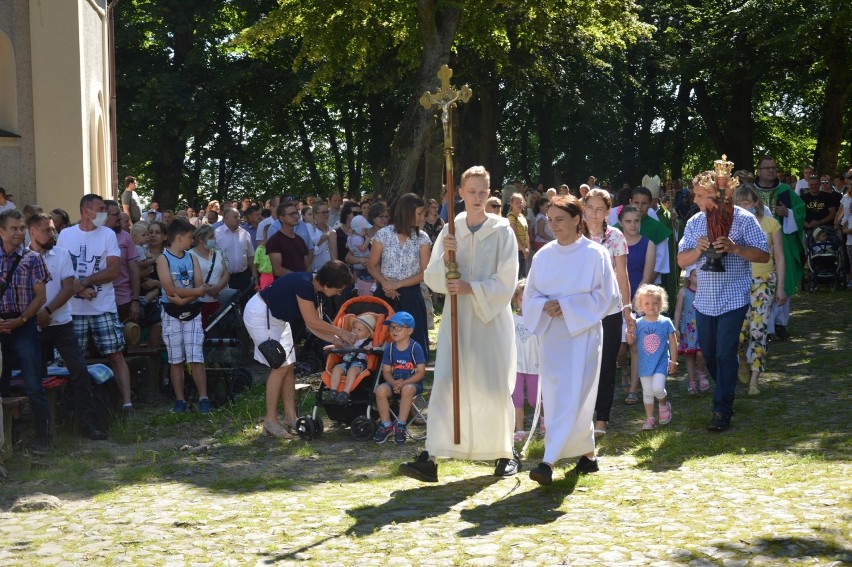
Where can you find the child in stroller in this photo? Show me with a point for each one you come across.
(823, 262)
(340, 409)
(355, 361)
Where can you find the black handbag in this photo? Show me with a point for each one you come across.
(272, 350)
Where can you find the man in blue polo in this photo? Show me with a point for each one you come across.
(722, 299)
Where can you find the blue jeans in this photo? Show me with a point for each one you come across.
(719, 337)
(24, 342)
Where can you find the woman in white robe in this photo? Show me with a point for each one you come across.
(571, 287)
(487, 257)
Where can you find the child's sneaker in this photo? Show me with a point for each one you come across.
(343, 398)
(665, 413)
(703, 383)
(400, 434)
(649, 424)
(204, 405)
(692, 389)
(520, 436)
(180, 406)
(383, 433)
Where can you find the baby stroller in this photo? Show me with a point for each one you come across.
(356, 412)
(824, 265)
(224, 356)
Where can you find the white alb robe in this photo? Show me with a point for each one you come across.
(488, 261)
(581, 278)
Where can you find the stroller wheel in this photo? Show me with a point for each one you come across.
(318, 426)
(305, 427)
(363, 428)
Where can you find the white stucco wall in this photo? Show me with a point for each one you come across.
(17, 155)
(69, 63)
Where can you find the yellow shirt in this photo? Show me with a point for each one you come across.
(772, 229)
(521, 228)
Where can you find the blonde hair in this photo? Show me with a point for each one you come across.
(138, 228)
(652, 290)
(519, 290)
(476, 171)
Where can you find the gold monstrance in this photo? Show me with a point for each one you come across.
(720, 218)
(446, 97)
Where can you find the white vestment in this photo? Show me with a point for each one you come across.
(581, 278)
(488, 261)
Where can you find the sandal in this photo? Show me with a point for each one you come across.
(703, 383)
(632, 399)
(692, 389)
(600, 429)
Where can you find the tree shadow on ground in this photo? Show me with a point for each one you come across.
(404, 506)
(799, 549)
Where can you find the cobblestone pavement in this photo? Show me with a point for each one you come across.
(773, 490)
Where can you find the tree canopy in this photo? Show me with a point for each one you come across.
(224, 98)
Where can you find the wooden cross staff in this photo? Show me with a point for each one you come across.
(446, 98)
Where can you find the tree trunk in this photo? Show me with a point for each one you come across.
(308, 154)
(679, 142)
(711, 119)
(489, 121)
(740, 136)
(543, 107)
(837, 89)
(438, 22)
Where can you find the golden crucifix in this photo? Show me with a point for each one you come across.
(446, 98)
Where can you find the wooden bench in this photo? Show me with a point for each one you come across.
(13, 407)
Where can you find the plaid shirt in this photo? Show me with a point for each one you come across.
(721, 292)
(30, 270)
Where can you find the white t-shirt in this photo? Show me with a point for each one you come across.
(89, 252)
(59, 266)
(215, 275)
(527, 347)
(263, 228)
(801, 185)
(7, 206)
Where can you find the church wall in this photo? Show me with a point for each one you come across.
(17, 155)
(68, 42)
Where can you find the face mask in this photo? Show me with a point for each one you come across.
(100, 219)
(752, 210)
(211, 243)
(117, 228)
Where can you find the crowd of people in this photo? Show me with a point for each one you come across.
(637, 297)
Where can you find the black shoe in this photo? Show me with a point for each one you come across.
(94, 433)
(508, 467)
(542, 474)
(719, 422)
(781, 333)
(420, 468)
(585, 466)
(42, 448)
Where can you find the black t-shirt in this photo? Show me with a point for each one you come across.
(281, 296)
(817, 206)
(293, 251)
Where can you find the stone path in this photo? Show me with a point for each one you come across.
(773, 490)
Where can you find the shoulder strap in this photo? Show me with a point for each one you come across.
(13, 267)
(212, 264)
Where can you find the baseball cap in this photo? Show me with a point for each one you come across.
(403, 318)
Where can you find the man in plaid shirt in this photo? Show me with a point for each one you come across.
(23, 277)
(722, 299)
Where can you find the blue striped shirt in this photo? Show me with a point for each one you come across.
(721, 292)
